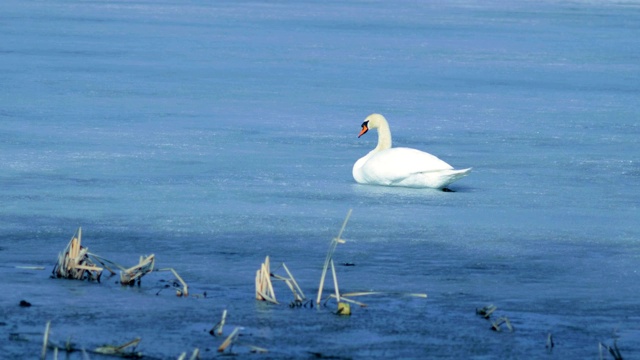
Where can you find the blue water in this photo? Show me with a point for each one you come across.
(215, 133)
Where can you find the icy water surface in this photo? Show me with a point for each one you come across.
(213, 134)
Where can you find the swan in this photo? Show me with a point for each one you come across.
(401, 166)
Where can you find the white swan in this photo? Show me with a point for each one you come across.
(389, 166)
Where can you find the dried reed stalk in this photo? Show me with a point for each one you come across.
(364, 293)
(230, 339)
(136, 272)
(256, 349)
(45, 341)
(300, 295)
(185, 287)
(195, 355)
(332, 249)
(264, 288)
(118, 349)
(217, 328)
(75, 263)
(291, 283)
(486, 311)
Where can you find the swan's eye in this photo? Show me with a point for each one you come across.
(365, 124)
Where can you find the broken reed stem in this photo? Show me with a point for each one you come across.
(217, 328)
(185, 288)
(75, 263)
(289, 283)
(346, 296)
(195, 355)
(264, 288)
(256, 349)
(295, 283)
(117, 350)
(144, 266)
(222, 321)
(267, 276)
(344, 224)
(614, 351)
(102, 262)
(229, 340)
(486, 311)
(133, 342)
(45, 341)
(364, 293)
(332, 248)
(30, 267)
(503, 320)
(549, 344)
(343, 298)
(335, 281)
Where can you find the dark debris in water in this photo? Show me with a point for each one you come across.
(319, 355)
(24, 303)
(300, 304)
(486, 311)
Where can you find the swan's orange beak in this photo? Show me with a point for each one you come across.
(364, 130)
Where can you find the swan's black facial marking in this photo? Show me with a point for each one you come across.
(365, 128)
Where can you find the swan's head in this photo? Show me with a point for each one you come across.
(372, 121)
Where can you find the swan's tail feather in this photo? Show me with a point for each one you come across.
(432, 179)
(450, 176)
(447, 177)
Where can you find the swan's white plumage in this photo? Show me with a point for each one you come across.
(401, 166)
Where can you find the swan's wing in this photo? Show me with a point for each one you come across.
(396, 164)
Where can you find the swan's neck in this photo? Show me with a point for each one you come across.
(384, 137)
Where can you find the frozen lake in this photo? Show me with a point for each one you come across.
(213, 134)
